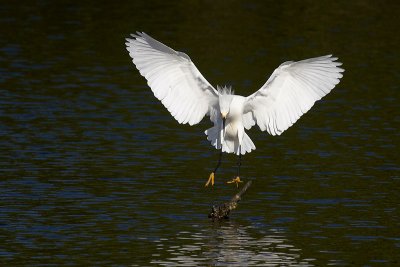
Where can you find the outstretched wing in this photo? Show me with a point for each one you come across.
(290, 92)
(173, 78)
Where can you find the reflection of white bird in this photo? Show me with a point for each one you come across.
(290, 92)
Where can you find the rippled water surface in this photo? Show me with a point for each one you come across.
(95, 171)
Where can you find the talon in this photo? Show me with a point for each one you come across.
(236, 181)
(210, 180)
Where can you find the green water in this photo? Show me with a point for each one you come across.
(96, 172)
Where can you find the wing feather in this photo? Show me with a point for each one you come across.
(291, 91)
(173, 78)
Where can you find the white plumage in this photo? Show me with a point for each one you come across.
(173, 78)
(291, 91)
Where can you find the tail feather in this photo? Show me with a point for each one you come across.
(229, 146)
(247, 145)
(213, 135)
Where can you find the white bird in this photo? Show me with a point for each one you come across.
(291, 91)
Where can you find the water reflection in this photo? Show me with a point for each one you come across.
(228, 244)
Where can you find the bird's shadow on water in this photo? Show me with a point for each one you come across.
(229, 242)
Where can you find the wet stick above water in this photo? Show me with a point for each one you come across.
(222, 211)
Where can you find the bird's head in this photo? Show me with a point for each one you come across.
(225, 99)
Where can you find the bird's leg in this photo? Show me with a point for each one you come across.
(237, 179)
(211, 178)
(239, 163)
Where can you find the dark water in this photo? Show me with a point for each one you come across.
(94, 171)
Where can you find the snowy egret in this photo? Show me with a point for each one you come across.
(290, 92)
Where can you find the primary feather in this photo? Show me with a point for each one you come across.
(173, 78)
(291, 91)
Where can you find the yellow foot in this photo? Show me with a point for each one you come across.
(210, 180)
(236, 181)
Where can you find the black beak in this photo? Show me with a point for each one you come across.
(223, 126)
